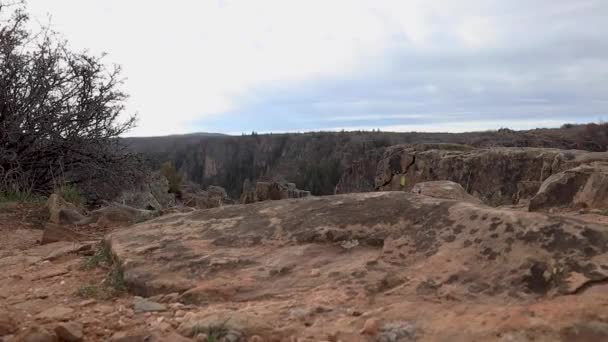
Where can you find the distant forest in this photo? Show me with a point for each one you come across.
(316, 161)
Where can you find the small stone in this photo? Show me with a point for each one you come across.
(180, 313)
(87, 302)
(371, 327)
(256, 338)
(315, 272)
(170, 298)
(233, 336)
(354, 312)
(56, 313)
(143, 305)
(201, 338)
(70, 332)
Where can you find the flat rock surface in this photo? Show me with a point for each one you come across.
(325, 265)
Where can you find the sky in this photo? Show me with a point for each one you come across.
(395, 65)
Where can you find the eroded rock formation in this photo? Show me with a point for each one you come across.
(497, 176)
(271, 191)
(371, 249)
(585, 186)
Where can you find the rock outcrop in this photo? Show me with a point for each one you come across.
(213, 197)
(63, 212)
(585, 186)
(267, 191)
(498, 176)
(115, 214)
(445, 190)
(386, 251)
(152, 194)
(359, 176)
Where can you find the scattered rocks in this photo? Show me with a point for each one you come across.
(265, 191)
(397, 332)
(69, 332)
(36, 334)
(7, 324)
(143, 305)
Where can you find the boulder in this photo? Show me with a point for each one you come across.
(53, 233)
(445, 190)
(69, 332)
(265, 191)
(497, 176)
(119, 214)
(585, 186)
(63, 212)
(213, 197)
(152, 194)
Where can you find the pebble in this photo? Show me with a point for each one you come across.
(201, 338)
(371, 327)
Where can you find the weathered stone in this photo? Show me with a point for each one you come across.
(58, 312)
(265, 191)
(118, 214)
(213, 197)
(35, 334)
(53, 233)
(152, 194)
(497, 176)
(62, 212)
(143, 305)
(509, 246)
(585, 186)
(445, 190)
(371, 327)
(69, 332)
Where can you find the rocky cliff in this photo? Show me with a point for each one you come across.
(498, 176)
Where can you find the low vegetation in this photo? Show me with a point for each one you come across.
(112, 285)
(61, 114)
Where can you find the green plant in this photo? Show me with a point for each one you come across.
(113, 284)
(71, 193)
(20, 196)
(214, 332)
(103, 256)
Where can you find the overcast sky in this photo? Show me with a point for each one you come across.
(279, 65)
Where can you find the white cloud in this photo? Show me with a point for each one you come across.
(190, 61)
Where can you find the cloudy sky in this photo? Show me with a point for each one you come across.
(402, 65)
